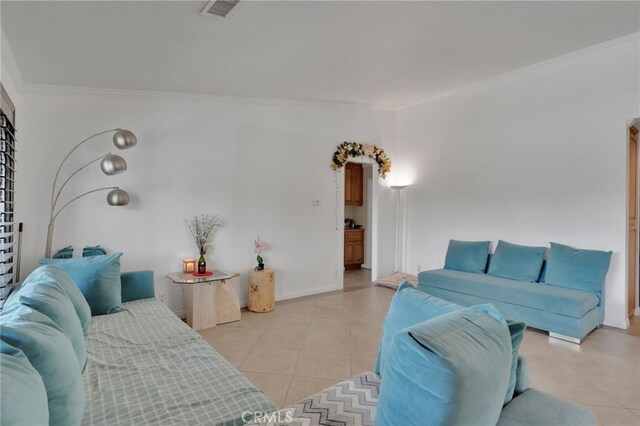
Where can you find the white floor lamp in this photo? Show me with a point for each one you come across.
(397, 188)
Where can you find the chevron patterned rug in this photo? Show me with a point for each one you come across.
(349, 403)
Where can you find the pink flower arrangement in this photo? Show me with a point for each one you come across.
(259, 246)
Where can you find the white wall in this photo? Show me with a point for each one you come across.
(258, 164)
(535, 156)
(9, 76)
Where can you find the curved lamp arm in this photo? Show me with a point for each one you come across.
(53, 219)
(55, 201)
(55, 180)
(47, 251)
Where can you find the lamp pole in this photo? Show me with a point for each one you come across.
(397, 188)
(109, 163)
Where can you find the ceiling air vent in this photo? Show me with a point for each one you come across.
(220, 8)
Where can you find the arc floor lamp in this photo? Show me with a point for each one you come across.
(111, 164)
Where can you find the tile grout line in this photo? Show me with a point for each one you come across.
(286, 394)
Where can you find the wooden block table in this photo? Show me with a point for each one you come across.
(262, 290)
(209, 300)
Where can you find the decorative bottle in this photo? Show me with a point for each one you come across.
(202, 265)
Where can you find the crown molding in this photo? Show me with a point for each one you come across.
(42, 89)
(525, 70)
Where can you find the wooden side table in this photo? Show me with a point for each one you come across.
(262, 290)
(209, 300)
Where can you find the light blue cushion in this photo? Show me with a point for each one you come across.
(54, 303)
(137, 285)
(516, 331)
(23, 398)
(467, 256)
(517, 262)
(535, 408)
(13, 297)
(451, 370)
(50, 352)
(575, 268)
(97, 277)
(48, 276)
(408, 307)
(558, 300)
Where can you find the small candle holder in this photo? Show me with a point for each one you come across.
(189, 266)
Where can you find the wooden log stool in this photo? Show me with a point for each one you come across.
(261, 290)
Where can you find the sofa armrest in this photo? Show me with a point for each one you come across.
(522, 376)
(137, 285)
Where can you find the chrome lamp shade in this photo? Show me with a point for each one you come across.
(113, 164)
(124, 139)
(118, 197)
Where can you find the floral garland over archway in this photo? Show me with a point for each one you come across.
(356, 149)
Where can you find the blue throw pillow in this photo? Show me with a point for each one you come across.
(409, 306)
(67, 252)
(451, 370)
(467, 256)
(23, 398)
(97, 277)
(50, 352)
(522, 263)
(578, 269)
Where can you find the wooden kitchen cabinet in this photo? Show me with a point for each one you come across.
(353, 184)
(353, 248)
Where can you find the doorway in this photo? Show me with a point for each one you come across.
(359, 225)
(633, 256)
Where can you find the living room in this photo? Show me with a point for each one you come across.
(506, 121)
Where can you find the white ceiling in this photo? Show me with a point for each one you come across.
(385, 53)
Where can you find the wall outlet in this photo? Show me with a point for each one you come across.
(162, 297)
(316, 203)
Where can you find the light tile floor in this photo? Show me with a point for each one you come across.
(308, 344)
(357, 278)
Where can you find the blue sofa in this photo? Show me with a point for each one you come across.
(569, 309)
(141, 365)
(563, 311)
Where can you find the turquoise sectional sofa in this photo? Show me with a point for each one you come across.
(138, 365)
(569, 304)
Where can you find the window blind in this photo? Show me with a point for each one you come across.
(7, 176)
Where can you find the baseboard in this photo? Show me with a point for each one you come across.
(637, 312)
(182, 313)
(307, 292)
